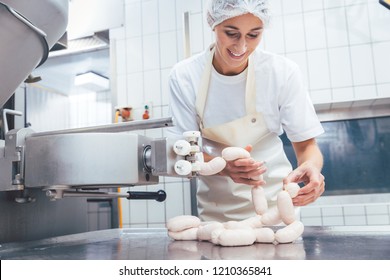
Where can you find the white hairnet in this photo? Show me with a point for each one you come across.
(221, 10)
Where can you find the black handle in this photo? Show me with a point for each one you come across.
(160, 195)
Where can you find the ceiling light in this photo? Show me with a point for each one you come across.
(92, 81)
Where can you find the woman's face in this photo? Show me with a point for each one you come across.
(236, 39)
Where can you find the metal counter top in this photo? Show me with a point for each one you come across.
(317, 243)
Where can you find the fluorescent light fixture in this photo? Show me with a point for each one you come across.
(92, 81)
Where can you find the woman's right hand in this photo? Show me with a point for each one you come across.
(245, 171)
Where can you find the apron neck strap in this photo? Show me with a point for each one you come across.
(201, 98)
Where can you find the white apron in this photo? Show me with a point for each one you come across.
(219, 198)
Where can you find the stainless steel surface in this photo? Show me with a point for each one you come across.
(12, 160)
(317, 243)
(117, 127)
(23, 26)
(9, 112)
(163, 157)
(88, 159)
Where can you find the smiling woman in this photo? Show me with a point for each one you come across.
(236, 39)
(240, 96)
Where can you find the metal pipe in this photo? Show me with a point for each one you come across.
(186, 35)
(94, 194)
(110, 128)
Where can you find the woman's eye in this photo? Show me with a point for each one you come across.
(232, 34)
(254, 35)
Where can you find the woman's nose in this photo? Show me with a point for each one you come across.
(241, 46)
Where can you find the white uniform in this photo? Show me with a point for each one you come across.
(253, 107)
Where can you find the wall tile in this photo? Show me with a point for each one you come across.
(379, 18)
(362, 65)
(384, 90)
(318, 69)
(358, 24)
(180, 45)
(291, 7)
(121, 87)
(275, 7)
(377, 209)
(156, 210)
(196, 33)
(120, 56)
(152, 87)
(315, 33)
(149, 17)
(301, 60)
(192, 6)
(309, 221)
(154, 133)
(174, 202)
(336, 27)
(333, 221)
(138, 211)
(208, 36)
(381, 53)
(294, 35)
(165, 113)
(321, 96)
(167, 15)
(312, 5)
(378, 220)
(365, 92)
(164, 86)
(133, 20)
(333, 3)
(354, 210)
(118, 33)
(273, 36)
(134, 54)
(332, 211)
(138, 225)
(310, 212)
(168, 49)
(354, 2)
(340, 67)
(135, 89)
(151, 52)
(355, 221)
(342, 94)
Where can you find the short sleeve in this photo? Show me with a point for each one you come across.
(297, 114)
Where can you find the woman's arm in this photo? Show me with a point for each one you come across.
(310, 162)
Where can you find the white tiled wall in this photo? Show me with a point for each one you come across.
(342, 47)
(358, 210)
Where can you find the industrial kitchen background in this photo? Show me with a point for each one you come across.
(118, 54)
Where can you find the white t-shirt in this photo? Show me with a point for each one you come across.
(280, 97)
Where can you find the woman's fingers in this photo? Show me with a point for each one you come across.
(307, 197)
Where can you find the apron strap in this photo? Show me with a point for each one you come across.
(201, 98)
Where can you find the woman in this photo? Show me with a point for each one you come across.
(238, 95)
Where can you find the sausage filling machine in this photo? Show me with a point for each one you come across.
(74, 162)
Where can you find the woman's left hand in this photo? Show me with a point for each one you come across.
(313, 180)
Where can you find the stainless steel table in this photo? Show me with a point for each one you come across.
(317, 243)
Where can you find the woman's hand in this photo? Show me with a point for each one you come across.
(245, 171)
(313, 180)
(308, 172)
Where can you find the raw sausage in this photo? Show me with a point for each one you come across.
(180, 223)
(286, 207)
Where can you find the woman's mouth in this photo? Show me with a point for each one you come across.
(236, 55)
